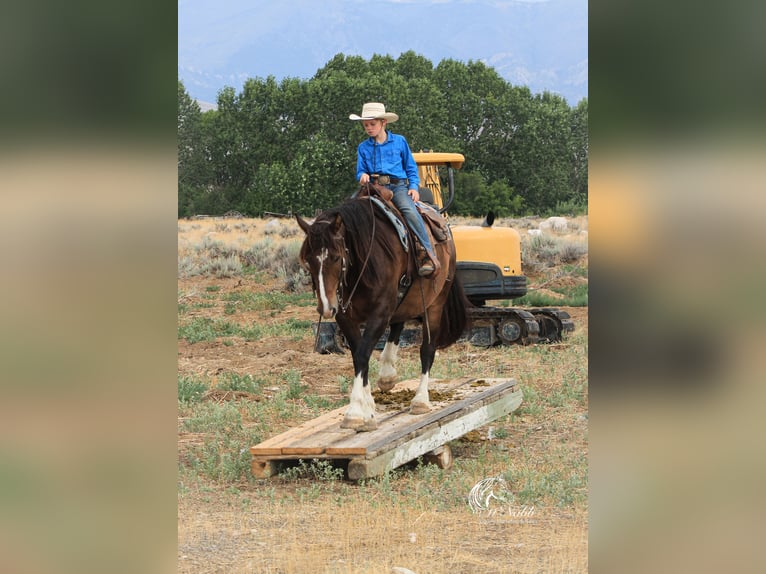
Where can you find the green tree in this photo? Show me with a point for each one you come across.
(579, 153)
(412, 66)
(193, 167)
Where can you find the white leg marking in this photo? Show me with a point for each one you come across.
(369, 401)
(420, 402)
(360, 414)
(387, 373)
(356, 402)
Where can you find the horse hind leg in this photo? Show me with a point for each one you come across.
(421, 404)
(387, 375)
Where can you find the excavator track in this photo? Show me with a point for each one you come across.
(553, 323)
(490, 326)
(506, 325)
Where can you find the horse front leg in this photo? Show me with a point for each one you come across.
(360, 415)
(387, 376)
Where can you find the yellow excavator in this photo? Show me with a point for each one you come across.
(489, 266)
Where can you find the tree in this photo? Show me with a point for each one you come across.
(412, 66)
(579, 153)
(193, 172)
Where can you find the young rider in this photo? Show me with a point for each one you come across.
(387, 157)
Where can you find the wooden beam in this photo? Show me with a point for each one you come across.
(433, 438)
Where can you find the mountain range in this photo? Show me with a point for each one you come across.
(541, 44)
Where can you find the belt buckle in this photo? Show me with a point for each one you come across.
(384, 179)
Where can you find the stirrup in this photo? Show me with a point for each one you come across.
(426, 267)
(429, 264)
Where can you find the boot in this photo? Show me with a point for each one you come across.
(429, 264)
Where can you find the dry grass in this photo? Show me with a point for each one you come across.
(360, 536)
(235, 233)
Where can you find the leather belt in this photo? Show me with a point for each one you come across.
(387, 179)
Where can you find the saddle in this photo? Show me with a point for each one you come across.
(433, 219)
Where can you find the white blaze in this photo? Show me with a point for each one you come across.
(322, 291)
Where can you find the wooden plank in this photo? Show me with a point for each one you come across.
(309, 437)
(433, 437)
(275, 444)
(319, 442)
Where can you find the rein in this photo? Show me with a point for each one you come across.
(347, 304)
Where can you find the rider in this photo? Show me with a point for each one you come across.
(387, 157)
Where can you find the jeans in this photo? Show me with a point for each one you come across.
(405, 204)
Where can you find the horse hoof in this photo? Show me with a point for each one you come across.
(369, 425)
(420, 408)
(386, 386)
(359, 424)
(356, 423)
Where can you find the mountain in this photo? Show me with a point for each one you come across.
(541, 44)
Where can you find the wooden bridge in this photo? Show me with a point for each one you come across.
(460, 406)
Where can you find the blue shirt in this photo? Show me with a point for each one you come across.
(392, 158)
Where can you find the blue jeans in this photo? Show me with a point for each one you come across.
(406, 205)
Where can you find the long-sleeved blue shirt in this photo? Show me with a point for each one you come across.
(392, 158)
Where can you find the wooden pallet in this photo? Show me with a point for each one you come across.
(465, 405)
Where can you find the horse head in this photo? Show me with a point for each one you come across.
(323, 255)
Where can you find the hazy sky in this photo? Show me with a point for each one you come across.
(538, 43)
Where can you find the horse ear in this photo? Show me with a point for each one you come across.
(303, 223)
(337, 224)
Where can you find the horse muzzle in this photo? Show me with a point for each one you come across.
(327, 312)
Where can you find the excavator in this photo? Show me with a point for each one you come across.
(489, 267)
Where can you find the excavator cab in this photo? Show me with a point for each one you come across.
(489, 258)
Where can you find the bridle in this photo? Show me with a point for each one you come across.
(344, 269)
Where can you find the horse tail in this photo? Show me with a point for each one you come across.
(455, 319)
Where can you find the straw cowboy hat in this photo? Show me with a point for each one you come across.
(375, 111)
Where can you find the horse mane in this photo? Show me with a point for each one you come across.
(362, 220)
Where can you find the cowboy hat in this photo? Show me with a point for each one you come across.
(375, 111)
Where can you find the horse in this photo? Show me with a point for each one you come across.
(364, 279)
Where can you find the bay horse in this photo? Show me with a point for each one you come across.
(363, 277)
